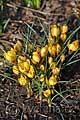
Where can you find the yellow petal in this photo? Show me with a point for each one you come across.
(42, 67)
(41, 78)
(36, 57)
(58, 48)
(47, 93)
(10, 56)
(44, 51)
(21, 67)
(73, 46)
(52, 80)
(18, 46)
(64, 28)
(63, 37)
(31, 72)
(50, 60)
(55, 31)
(56, 71)
(52, 50)
(22, 80)
(51, 40)
(26, 66)
(62, 58)
(15, 70)
(21, 59)
(53, 65)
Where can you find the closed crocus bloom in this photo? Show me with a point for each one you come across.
(18, 46)
(64, 28)
(53, 65)
(22, 80)
(15, 69)
(52, 50)
(42, 67)
(51, 40)
(41, 78)
(31, 72)
(73, 46)
(50, 60)
(44, 51)
(10, 56)
(55, 31)
(52, 80)
(35, 57)
(56, 71)
(62, 58)
(58, 48)
(63, 37)
(47, 93)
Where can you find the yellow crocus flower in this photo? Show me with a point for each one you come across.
(21, 67)
(73, 46)
(52, 80)
(64, 28)
(58, 48)
(31, 72)
(22, 80)
(53, 65)
(10, 56)
(55, 31)
(18, 46)
(62, 58)
(35, 57)
(52, 49)
(63, 36)
(44, 51)
(38, 49)
(42, 67)
(50, 60)
(51, 40)
(56, 71)
(21, 59)
(15, 69)
(41, 78)
(24, 66)
(47, 93)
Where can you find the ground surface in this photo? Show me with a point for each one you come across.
(14, 105)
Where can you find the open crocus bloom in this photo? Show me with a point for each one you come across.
(73, 46)
(10, 56)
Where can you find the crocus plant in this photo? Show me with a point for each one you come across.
(39, 69)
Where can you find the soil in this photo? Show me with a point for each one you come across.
(14, 104)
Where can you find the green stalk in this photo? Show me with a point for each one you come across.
(61, 96)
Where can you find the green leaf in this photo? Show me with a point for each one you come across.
(37, 3)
